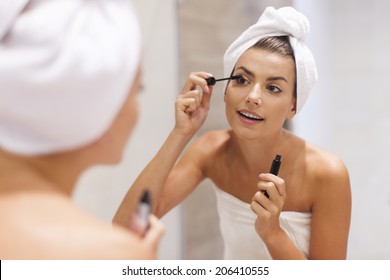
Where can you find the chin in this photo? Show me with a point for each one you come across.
(245, 133)
(117, 160)
(112, 159)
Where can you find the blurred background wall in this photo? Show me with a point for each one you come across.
(347, 112)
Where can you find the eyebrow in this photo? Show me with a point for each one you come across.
(277, 79)
(250, 73)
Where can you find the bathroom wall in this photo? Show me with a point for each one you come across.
(348, 112)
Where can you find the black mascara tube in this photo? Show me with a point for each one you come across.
(274, 169)
(276, 165)
(144, 209)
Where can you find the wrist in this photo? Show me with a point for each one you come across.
(182, 135)
(273, 238)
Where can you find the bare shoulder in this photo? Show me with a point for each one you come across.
(327, 182)
(318, 163)
(325, 165)
(211, 142)
(328, 175)
(52, 227)
(208, 147)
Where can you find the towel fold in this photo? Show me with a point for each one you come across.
(285, 21)
(9, 10)
(66, 69)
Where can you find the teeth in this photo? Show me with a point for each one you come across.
(250, 116)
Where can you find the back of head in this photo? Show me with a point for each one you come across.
(66, 69)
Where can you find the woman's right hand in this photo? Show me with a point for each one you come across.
(151, 237)
(192, 104)
(153, 234)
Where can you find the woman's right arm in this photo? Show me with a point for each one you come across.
(168, 182)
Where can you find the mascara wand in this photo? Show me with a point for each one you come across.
(211, 81)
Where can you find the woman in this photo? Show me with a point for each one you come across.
(66, 103)
(304, 212)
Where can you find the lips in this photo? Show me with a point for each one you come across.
(250, 116)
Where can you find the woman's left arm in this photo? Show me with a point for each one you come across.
(331, 213)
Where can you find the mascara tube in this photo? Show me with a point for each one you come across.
(276, 165)
(144, 209)
(274, 169)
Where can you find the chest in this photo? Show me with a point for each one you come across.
(242, 184)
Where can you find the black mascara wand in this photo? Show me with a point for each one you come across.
(211, 81)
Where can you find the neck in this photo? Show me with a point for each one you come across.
(58, 173)
(258, 154)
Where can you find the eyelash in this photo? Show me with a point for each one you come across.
(274, 89)
(241, 81)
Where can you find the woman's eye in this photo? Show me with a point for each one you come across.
(241, 81)
(274, 89)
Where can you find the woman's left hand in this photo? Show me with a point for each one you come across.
(268, 209)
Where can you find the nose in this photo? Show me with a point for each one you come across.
(254, 96)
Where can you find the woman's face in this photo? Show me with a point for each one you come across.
(258, 103)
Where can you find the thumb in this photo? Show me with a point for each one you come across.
(136, 224)
(154, 232)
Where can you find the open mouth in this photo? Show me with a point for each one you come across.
(250, 116)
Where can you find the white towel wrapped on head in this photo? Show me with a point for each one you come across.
(66, 68)
(285, 21)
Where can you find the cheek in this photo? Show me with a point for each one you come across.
(230, 99)
(290, 106)
(133, 113)
(231, 105)
(128, 119)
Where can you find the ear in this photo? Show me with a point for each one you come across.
(293, 109)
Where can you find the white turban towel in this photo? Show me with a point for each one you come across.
(66, 68)
(285, 21)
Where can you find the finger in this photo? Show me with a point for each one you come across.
(193, 94)
(206, 100)
(257, 208)
(187, 104)
(278, 182)
(266, 187)
(261, 199)
(155, 231)
(135, 224)
(197, 78)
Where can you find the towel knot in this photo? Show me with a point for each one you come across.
(287, 20)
